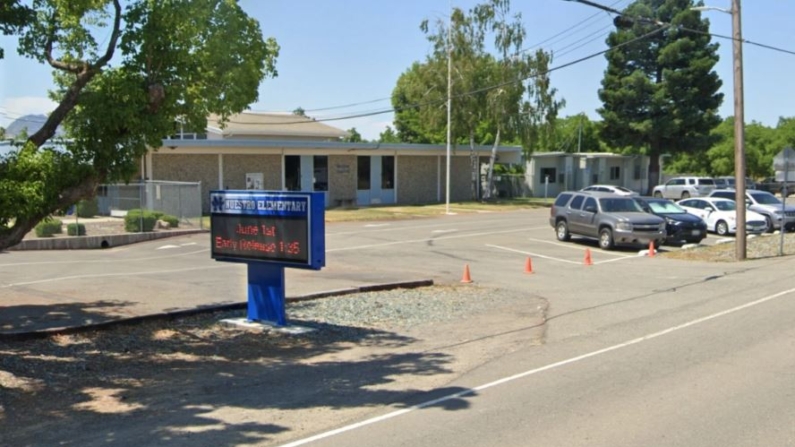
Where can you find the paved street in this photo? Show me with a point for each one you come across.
(636, 351)
(65, 288)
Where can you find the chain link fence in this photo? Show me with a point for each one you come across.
(182, 200)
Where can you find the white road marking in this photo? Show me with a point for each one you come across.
(105, 261)
(534, 371)
(166, 247)
(427, 239)
(529, 253)
(106, 275)
(376, 225)
(189, 243)
(575, 247)
(412, 227)
(445, 231)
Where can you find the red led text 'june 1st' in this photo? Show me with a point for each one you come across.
(254, 230)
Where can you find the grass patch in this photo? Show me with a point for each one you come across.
(401, 212)
(761, 247)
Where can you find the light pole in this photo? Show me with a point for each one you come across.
(739, 124)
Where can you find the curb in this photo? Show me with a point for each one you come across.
(167, 316)
(97, 242)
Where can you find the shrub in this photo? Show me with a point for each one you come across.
(77, 229)
(87, 208)
(49, 227)
(173, 221)
(158, 214)
(134, 218)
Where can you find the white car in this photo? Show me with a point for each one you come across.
(721, 215)
(619, 190)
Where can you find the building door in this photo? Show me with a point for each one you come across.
(375, 180)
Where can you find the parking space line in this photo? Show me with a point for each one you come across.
(571, 247)
(617, 259)
(528, 253)
(108, 275)
(426, 239)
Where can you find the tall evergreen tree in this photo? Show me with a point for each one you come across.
(660, 94)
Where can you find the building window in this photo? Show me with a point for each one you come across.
(595, 179)
(363, 172)
(548, 173)
(292, 172)
(637, 172)
(615, 173)
(561, 178)
(388, 172)
(320, 175)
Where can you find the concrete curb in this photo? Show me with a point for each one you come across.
(94, 242)
(166, 316)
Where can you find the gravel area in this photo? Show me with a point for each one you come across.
(40, 377)
(764, 246)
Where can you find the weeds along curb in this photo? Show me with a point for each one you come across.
(169, 316)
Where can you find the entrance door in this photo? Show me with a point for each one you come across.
(375, 180)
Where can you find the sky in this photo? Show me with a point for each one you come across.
(336, 53)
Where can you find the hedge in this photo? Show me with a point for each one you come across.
(77, 229)
(49, 227)
(173, 222)
(134, 218)
(87, 208)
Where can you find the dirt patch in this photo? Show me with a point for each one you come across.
(191, 379)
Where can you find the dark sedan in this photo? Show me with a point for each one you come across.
(679, 225)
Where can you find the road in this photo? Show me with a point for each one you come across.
(637, 350)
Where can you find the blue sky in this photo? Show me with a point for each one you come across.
(342, 52)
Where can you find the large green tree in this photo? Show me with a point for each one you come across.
(660, 94)
(576, 133)
(119, 95)
(14, 15)
(500, 94)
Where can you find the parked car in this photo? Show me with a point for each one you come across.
(766, 204)
(679, 224)
(619, 190)
(729, 182)
(684, 187)
(611, 219)
(721, 215)
(771, 185)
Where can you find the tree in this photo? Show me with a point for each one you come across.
(299, 111)
(2, 133)
(660, 94)
(388, 136)
(168, 69)
(13, 17)
(353, 136)
(497, 98)
(576, 133)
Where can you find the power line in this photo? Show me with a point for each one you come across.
(481, 90)
(761, 45)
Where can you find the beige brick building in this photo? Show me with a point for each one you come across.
(293, 153)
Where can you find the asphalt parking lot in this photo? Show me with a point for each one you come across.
(65, 288)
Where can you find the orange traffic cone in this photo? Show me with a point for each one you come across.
(466, 279)
(651, 249)
(588, 260)
(528, 266)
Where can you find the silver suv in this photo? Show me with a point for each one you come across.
(684, 188)
(766, 204)
(610, 218)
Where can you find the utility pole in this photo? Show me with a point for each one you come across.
(449, 105)
(739, 131)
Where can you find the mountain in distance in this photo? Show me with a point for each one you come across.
(30, 122)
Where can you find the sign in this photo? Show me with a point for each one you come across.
(784, 160)
(285, 228)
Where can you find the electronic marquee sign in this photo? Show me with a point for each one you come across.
(285, 228)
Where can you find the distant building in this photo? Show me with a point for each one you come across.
(572, 171)
(294, 153)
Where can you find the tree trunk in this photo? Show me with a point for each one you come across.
(654, 165)
(490, 172)
(68, 197)
(473, 165)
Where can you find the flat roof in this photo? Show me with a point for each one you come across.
(330, 145)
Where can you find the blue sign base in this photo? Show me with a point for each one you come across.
(266, 293)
